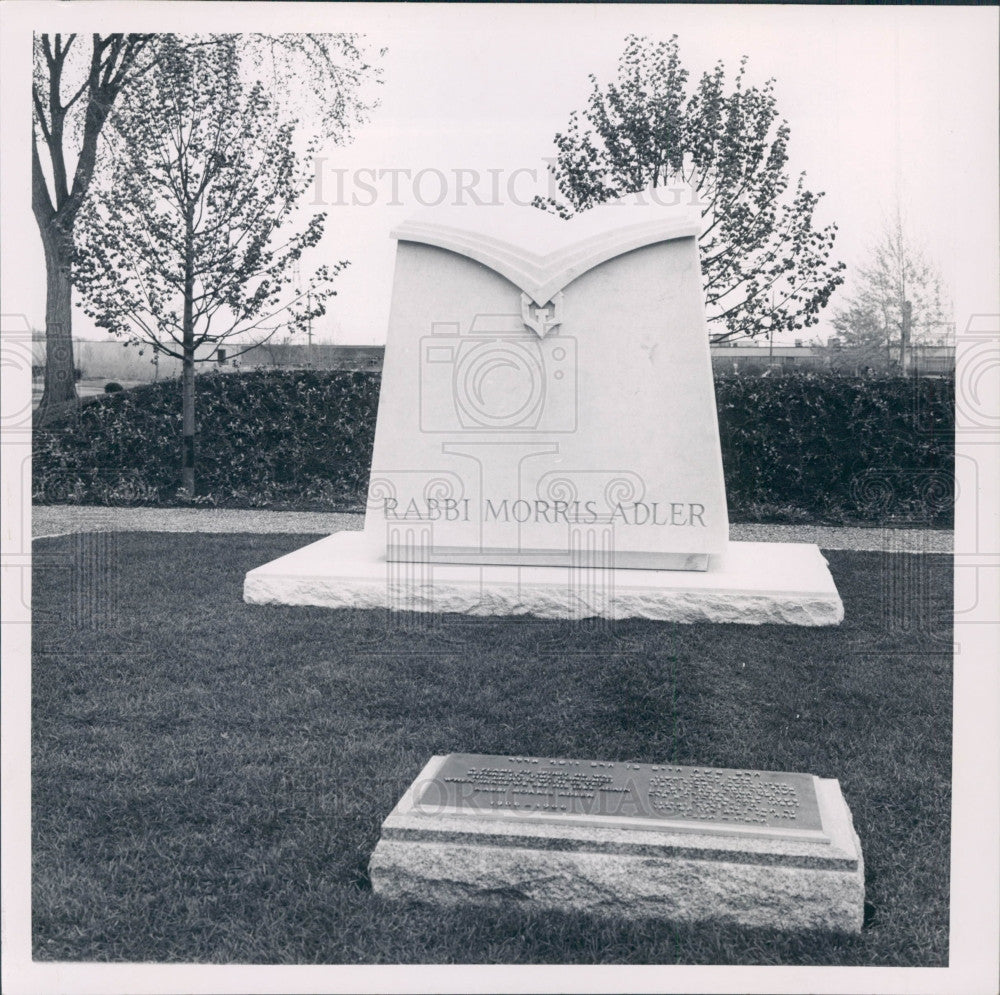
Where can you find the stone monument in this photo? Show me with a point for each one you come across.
(683, 844)
(547, 440)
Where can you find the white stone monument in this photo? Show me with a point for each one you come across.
(547, 440)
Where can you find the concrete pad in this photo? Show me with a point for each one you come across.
(443, 844)
(752, 583)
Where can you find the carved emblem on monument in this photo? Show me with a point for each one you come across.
(540, 323)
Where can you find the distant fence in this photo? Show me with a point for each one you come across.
(921, 360)
(116, 361)
(321, 356)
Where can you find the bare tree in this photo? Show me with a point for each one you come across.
(899, 298)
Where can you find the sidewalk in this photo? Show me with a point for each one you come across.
(54, 520)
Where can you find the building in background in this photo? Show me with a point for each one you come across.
(921, 360)
(128, 364)
(113, 360)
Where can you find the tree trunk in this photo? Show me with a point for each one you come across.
(187, 422)
(60, 379)
(187, 375)
(904, 337)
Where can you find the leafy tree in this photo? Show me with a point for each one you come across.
(860, 341)
(76, 83)
(762, 256)
(74, 88)
(185, 243)
(899, 298)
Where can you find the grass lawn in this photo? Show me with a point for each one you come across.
(209, 777)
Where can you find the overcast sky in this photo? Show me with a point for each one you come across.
(882, 102)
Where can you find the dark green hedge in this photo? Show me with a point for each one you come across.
(265, 439)
(795, 447)
(871, 449)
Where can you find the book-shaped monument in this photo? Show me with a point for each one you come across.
(547, 440)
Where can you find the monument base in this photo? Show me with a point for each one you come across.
(633, 873)
(754, 583)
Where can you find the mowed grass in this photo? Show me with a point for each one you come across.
(209, 777)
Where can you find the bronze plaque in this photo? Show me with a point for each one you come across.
(637, 796)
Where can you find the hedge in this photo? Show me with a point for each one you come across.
(265, 439)
(871, 449)
(822, 447)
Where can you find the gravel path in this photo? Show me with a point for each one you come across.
(62, 519)
(52, 520)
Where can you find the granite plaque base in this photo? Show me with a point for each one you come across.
(753, 583)
(675, 843)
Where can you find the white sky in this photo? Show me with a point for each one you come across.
(879, 100)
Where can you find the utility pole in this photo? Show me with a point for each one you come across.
(309, 329)
(770, 334)
(904, 336)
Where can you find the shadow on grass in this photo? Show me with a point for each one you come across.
(210, 777)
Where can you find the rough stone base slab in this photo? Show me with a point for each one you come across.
(753, 583)
(626, 873)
